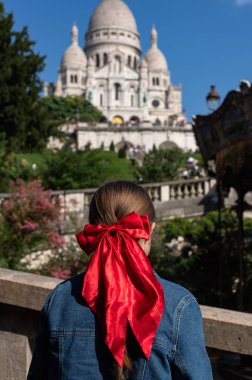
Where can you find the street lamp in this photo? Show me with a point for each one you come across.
(213, 99)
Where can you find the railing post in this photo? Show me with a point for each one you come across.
(165, 193)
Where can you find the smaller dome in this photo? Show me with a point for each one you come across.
(74, 56)
(154, 57)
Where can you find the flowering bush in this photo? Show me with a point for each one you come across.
(66, 261)
(28, 221)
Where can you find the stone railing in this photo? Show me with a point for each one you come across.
(179, 190)
(181, 194)
(22, 296)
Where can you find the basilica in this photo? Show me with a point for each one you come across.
(111, 71)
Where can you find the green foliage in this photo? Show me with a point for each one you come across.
(27, 166)
(189, 250)
(83, 169)
(161, 165)
(22, 119)
(74, 109)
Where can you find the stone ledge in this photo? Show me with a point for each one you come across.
(24, 289)
(225, 330)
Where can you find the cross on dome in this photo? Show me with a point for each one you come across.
(154, 36)
(75, 34)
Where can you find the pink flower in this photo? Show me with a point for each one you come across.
(29, 226)
(56, 239)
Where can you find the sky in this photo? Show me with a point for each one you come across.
(205, 41)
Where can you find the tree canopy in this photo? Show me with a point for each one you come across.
(70, 108)
(82, 169)
(161, 165)
(23, 121)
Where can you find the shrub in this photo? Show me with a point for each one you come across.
(28, 221)
(190, 251)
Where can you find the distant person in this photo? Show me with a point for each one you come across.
(120, 320)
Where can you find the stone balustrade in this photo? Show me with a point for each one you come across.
(175, 196)
(179, 190)
(22, 296)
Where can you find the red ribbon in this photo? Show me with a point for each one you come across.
(119, 285)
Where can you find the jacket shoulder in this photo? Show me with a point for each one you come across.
(176, 296)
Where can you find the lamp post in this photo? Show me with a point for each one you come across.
(213, 103)
(213, 99)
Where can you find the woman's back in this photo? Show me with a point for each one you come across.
(77, 351)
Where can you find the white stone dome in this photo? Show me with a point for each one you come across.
(154, 57)
(112, 14)
(74, 56)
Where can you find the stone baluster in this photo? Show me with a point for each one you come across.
(165, 193)
(186, 191)
(180, 192)
(199, 189)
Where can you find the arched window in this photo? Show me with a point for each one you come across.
(129, 60)
(135, 63)
(75, 79)
(154, 81)
(117, 91)
(97, 60)
(105, 59)
(157, 81)
(117, 64)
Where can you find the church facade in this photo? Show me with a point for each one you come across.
(130, 89)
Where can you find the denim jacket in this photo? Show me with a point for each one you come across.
(69, 345)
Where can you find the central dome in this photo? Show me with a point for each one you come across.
(112, 14)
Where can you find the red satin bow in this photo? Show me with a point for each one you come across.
(119, 285)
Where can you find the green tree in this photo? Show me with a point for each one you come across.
(83, 169)
(161, 165)
(22, 118)
(70, 108)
